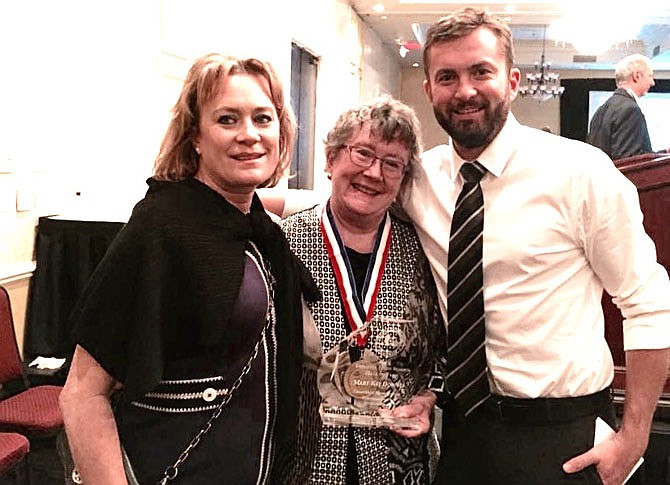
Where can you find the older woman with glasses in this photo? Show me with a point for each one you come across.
(370, 268)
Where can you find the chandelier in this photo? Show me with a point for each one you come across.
(542, 83)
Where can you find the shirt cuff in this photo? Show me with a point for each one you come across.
(645, 332)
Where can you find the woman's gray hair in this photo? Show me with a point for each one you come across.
(388, 119)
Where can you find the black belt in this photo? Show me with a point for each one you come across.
(546, 410)
(184, 396)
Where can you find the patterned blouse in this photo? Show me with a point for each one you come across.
(407, 291)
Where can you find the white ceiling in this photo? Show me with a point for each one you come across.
(528, 21)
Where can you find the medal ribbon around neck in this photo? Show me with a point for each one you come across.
(358, 312)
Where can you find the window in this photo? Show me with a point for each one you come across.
(303, 100)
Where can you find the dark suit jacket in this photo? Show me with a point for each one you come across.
(619, 128)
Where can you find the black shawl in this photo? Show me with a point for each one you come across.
(166, 286)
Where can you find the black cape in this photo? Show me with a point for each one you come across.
(166, 286)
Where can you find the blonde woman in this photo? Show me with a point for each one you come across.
(192, 321)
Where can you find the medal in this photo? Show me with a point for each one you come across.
(357, 312)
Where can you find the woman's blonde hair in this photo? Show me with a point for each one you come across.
(177, 159)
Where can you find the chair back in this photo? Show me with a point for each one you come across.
(639, 159)
(10, 359)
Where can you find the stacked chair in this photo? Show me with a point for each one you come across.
(30, 412)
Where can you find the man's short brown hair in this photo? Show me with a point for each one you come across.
(463, 22)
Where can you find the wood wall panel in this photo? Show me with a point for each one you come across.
(651, 176)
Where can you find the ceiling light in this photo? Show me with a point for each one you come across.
(378, 7)
(384, 17)
(594, 27)
(415, 65)
(593, 38)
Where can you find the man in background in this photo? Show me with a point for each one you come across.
(560, 223)
(618, 127)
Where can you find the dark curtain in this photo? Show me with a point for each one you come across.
(66, 253)
(575, 103)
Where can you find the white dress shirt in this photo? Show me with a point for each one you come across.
(561, 223)
(633, 95)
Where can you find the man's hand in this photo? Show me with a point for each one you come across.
(419, 408)
(614, 458)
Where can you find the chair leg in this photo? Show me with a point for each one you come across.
(18, 475)
(43, 466)
(23, 471)
(28, 476)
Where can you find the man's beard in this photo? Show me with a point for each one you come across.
(473, 134)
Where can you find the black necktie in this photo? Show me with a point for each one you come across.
(466, 356)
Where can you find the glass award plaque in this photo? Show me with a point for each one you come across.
(359, 386)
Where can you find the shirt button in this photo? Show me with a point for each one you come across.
(209, 394)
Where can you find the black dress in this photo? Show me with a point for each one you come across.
(176, 307)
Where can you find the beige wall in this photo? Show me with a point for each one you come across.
(413, 95)
(17, 287)
(92, 85)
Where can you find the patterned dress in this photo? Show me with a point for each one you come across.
(407, 291)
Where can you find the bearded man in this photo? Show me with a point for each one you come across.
(524, 230)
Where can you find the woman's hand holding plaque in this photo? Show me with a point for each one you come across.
(363, 386)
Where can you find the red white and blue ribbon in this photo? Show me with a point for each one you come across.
(357, 312)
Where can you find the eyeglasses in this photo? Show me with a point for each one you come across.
(392, 168)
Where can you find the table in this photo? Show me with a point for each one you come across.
(66, 253)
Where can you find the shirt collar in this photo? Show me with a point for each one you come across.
(497, 155)
(632, 93)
